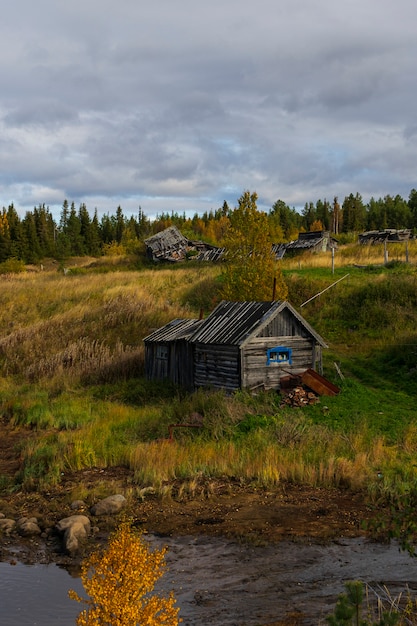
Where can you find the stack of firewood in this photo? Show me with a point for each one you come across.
(299, 396)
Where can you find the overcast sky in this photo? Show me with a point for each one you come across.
(178, 105)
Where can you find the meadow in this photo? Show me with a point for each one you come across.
(72, 371)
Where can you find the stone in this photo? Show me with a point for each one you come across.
(28, 526)
(109, 506)
(78, 505)
(75, 529)
(7, 525)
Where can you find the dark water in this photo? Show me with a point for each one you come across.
(224, 583)
(37, 594)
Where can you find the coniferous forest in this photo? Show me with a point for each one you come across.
(79, 232)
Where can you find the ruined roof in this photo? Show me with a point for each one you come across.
(166, 243)
(387, 234)
(311, 239)
(171, 245)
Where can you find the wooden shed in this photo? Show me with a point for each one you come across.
(240, 345)
(169, 355)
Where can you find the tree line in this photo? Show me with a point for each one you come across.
(77, 233)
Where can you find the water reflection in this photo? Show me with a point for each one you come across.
(37, 595)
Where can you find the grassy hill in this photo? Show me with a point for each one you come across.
(72, 362)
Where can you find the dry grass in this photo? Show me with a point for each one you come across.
(78, 326)
(59, 332)
(352, 254)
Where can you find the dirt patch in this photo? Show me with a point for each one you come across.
(221, 508)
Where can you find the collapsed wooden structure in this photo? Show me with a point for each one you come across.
(387, 235)
(314, 241)
(240, 345)
(171, 246)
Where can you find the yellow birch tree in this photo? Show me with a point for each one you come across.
(119, 581)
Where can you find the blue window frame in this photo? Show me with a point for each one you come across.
(279, 355)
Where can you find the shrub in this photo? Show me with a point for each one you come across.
(119, 582)
(12, 266)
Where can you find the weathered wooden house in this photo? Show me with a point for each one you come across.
(240, 345)
(314, 241)
(167, 245)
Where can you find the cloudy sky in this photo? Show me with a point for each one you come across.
(178, 105)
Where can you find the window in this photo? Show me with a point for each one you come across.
(162, 352)
(279, 355)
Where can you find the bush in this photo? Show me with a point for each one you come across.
(12, 266)
(119, 582)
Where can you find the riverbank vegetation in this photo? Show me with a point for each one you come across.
(72, 373)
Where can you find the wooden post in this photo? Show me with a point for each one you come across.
(332, 260)
(274, 289)
(385, 252)
(406, 250)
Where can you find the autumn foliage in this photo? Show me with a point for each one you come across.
(250, 269)
(119, 582)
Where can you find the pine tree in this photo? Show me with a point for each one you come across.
(336, 215)
(73, 232)
(354, 214)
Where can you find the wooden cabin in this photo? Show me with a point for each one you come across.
(167, 245)
(240, 345)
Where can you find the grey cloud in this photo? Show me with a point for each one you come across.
(42, 113)
(173, 103)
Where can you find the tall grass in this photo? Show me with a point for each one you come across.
(89, 326)
(353, 254)
(71, 365)
(260, 448)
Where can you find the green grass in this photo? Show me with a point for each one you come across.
(71, 359)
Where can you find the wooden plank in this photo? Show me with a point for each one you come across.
(319, 384)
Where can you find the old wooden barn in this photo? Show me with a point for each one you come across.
(240, 345)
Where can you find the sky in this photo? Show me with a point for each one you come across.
(179, 105)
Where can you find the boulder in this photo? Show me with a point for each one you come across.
(109, 506)
(7, 525)
(28, 526)
(75, 529)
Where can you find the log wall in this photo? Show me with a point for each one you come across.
(217, 366)
(256, 372)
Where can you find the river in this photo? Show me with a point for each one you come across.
(224, 583)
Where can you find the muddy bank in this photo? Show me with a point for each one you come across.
(218, 508)
(223, 583)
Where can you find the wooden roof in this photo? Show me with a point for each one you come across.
(234, 323)
(166, 239)
(388, 234)
(311, 239)
(174, 330)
